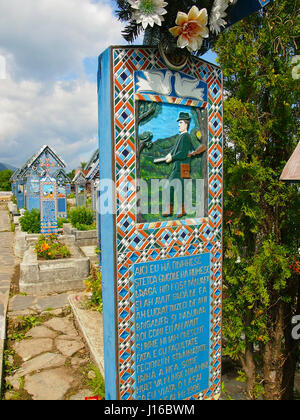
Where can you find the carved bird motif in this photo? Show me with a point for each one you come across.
(187, 88)
(156, 81)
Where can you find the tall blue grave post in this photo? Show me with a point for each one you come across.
(93, 178)
(20, 194)
(161, 185)
(48, 198)
(62, 182)
(161, 265)
(80, 189)
(68, 188)
(33, 190)
(13, 188)
(61, 199)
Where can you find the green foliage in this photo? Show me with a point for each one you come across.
(5, 184)
(261, 235)
(13, 199)
(96, 382)
(31, 221)
(82, 218)
(60, 222)
(71, 174)
(23, 325)
(94, 286)
(50, 248)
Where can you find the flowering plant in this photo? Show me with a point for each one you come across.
(50, 248)
(187, 24)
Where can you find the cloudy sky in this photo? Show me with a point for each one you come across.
(48, 92)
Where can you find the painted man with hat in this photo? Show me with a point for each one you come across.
(181, 158)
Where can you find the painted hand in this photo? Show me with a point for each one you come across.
(169, 158)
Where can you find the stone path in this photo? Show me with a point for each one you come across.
(47, 360)
(50, 361)
(7, 266)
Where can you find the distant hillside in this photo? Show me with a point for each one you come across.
(4, 166)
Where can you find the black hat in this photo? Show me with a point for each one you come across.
(184, 116)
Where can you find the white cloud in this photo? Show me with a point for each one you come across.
(64, 118)
(46, 98)
(45, 39)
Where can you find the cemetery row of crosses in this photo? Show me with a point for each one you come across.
(42, 185)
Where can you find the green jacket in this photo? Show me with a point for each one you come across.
(180, 153)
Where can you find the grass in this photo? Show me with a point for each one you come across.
(96, 383)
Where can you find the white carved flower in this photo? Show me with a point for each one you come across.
(148, 12)
(218, 14)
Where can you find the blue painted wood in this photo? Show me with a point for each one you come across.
(244, 8)
(33, 203)
(107, 226)
(33, 192)
(20, 195)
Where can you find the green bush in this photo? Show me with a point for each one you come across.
(80, 226)
(82, 218)
(31, 221)
(61, 222)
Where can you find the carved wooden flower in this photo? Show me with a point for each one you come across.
(148, 12)
(191, 28)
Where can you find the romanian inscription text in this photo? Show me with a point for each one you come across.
(172, 327)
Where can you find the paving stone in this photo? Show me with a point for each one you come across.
(27, 349)
(43, 361)
(63, 325)
(58, 301)
(8, 260)
(68, 347)
(77, 361)
(41, 332)
(81, 395)
(49, 385)
(19, 302)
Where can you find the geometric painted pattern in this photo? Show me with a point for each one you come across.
(137, 243)
(49, 224)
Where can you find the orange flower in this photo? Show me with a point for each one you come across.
(191, 28)
(45, 247)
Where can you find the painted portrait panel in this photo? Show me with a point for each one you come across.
(177, 188)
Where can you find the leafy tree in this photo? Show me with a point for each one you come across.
(261, 235)
(71, 174)
(5, 184)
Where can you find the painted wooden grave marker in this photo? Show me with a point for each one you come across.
(161, 271)
(80, 189)
(33, 189)
(62, 182)
(48, 197)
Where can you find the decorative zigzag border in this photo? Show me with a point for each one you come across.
(160, 240)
